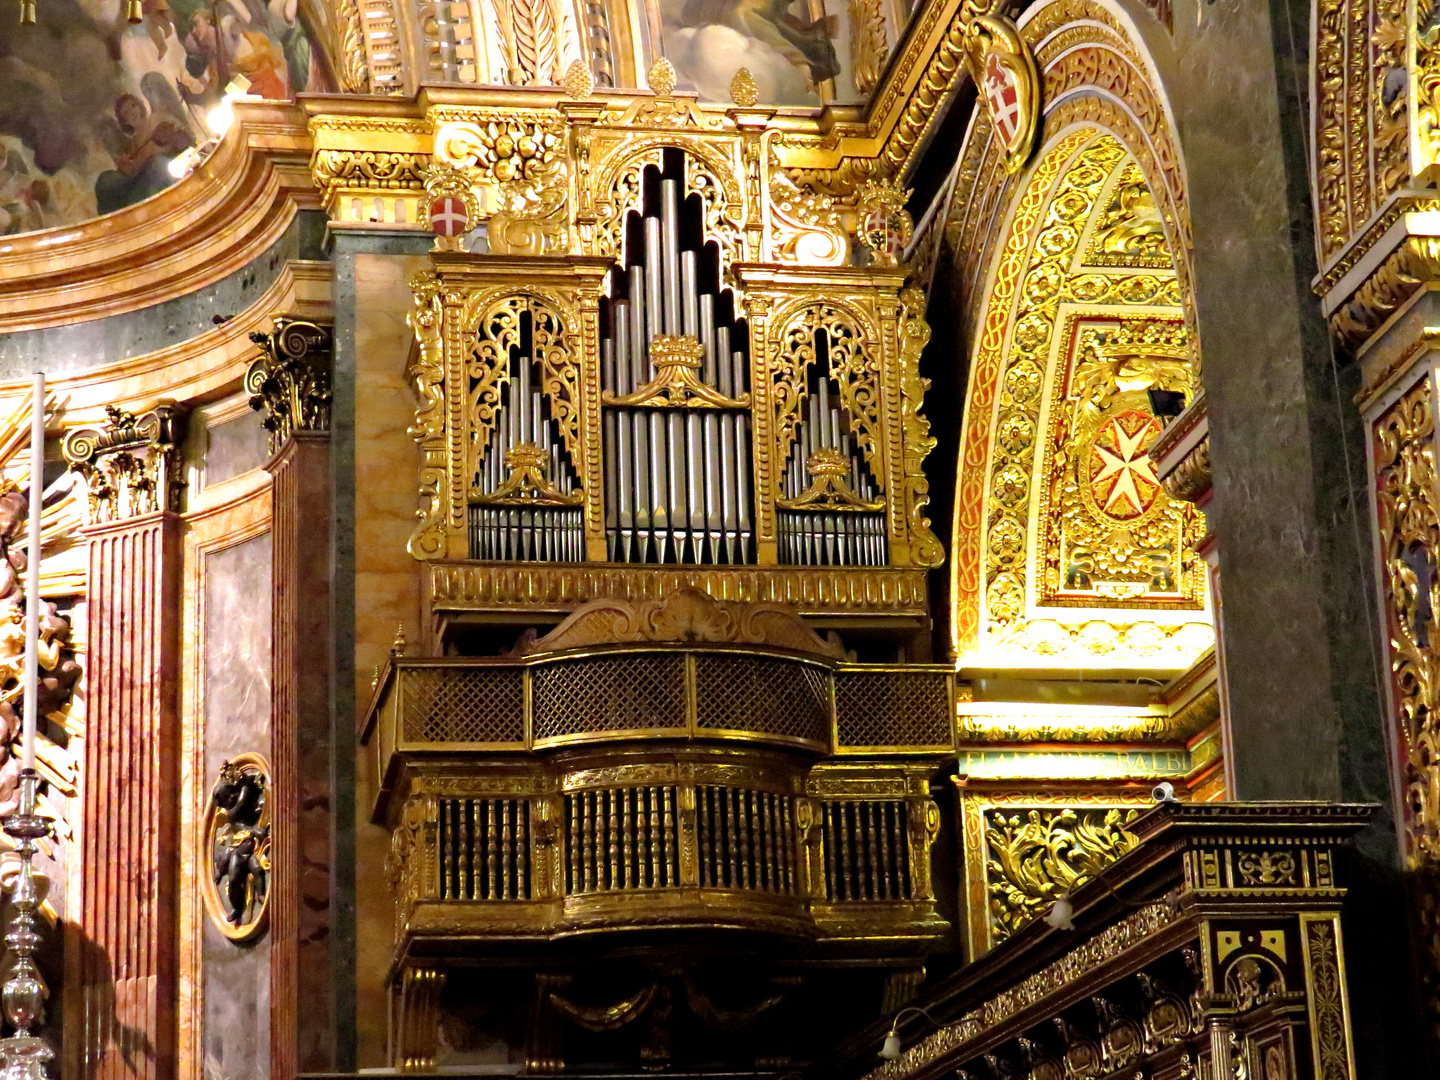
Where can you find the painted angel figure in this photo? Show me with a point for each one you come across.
(806, 43)
(154, 135)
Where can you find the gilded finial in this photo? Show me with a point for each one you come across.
(398, 647)
(662, 78)
(743, 90)
(579, 83)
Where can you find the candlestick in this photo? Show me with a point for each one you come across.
(23, 998)
(32, 576)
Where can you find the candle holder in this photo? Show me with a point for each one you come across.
(23, 1055)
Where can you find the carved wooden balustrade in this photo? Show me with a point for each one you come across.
(1213, 949)
(712, 778)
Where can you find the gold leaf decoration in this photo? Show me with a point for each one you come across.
(743, 89)
(579, 83)
(661, 79)
(869, 48)
(1036, 857)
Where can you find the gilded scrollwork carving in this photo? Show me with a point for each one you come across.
(131, 464)
(869, 44)
(916, 441)
(378, 170)
(1039, 855)
(687, 615)
(805, 225)
(354, 68)
(851, 345)
(1394, 281)
(493, 329)
(1409, 528)
(521, 157)
(290, 382)
(425, 372)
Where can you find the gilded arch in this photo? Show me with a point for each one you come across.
(1075, 285)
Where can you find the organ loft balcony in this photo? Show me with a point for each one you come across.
(666, 768)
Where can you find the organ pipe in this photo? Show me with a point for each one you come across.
(678, 466)
(844, 527)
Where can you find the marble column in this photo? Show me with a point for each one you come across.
(129, 839)
(290, 384)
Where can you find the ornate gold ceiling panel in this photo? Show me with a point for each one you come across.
(1066, 545)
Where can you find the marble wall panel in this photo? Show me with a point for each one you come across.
(387, 584)
(237, 719)
(235, 446)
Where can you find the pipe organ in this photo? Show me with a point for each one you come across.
(669, 411)
(670, 375)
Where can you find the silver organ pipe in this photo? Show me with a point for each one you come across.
(677, 472)
(842, 529)
(530, 520)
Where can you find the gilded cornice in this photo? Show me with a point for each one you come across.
(202, 367)
(194, 233)
(836, 145)
(1402, 273)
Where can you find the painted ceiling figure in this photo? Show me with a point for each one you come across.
(806, 44)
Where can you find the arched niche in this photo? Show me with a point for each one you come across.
(1074, 284)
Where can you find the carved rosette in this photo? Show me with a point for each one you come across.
(290, 382)
(131, 464)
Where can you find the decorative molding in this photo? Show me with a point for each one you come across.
(1400, 276)
(194, 233)
(884, 591)
(688, 614)
(208, 365)
(1035, 856)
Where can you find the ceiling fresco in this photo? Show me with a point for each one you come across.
(93, 108)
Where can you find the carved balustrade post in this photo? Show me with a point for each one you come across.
(130, 467)
(290, 384)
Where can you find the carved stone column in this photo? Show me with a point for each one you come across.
(290, 384)
(131, 783)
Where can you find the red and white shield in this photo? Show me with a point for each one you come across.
(448, 217)
(1002, 97)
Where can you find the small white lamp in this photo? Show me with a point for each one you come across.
(890, 1050)
(1059, 914)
